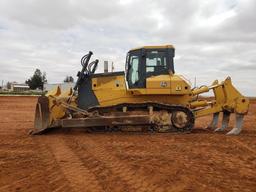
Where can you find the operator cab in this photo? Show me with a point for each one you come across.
(148, 61)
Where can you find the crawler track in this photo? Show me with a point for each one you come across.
(156, 107)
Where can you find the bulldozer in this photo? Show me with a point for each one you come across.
(147, 96)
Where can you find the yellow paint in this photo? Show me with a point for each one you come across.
(200, 90)
(57, 111)
(112, 90)
(227, 97)
(195, 104)
(154, 47)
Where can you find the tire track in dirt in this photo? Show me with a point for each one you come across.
(38, 166)
(142, 151)
(55, 178)
(9, 187)
(131, 150)
(245, 146)
(79, 177)
(109, 181)
(125, 173)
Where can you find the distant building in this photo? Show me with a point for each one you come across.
(18, 87)
(63, 86)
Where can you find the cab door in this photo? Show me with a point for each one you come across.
(134, 69)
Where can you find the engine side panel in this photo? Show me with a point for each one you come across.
(111, 90)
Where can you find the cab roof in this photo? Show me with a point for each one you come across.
(154, 47)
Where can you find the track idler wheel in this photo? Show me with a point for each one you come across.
(179, 119)
(182, 120)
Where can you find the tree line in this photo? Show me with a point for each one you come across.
(38, 79)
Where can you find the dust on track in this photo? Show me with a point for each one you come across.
(78, 161)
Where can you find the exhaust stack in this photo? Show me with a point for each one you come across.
(105, 66)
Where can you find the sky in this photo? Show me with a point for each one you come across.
(213, 38)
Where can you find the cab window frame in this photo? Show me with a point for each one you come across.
(142, 66)
(138, 83)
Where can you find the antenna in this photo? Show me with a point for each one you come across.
(112, 66)
(195, 82)
(105, 66)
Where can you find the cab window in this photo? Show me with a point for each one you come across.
(133, 70)
(155, 63)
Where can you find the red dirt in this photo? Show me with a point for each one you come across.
(78, 161)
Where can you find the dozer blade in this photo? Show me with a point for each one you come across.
(239, 123)
(42, 116)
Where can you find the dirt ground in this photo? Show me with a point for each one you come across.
(78, 161)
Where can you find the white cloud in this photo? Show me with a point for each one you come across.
(213, 39)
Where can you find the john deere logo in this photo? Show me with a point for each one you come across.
(163, 84)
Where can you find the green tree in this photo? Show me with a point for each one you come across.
(69, 79)
(37, 80)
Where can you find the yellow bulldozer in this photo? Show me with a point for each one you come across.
(148, 96)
